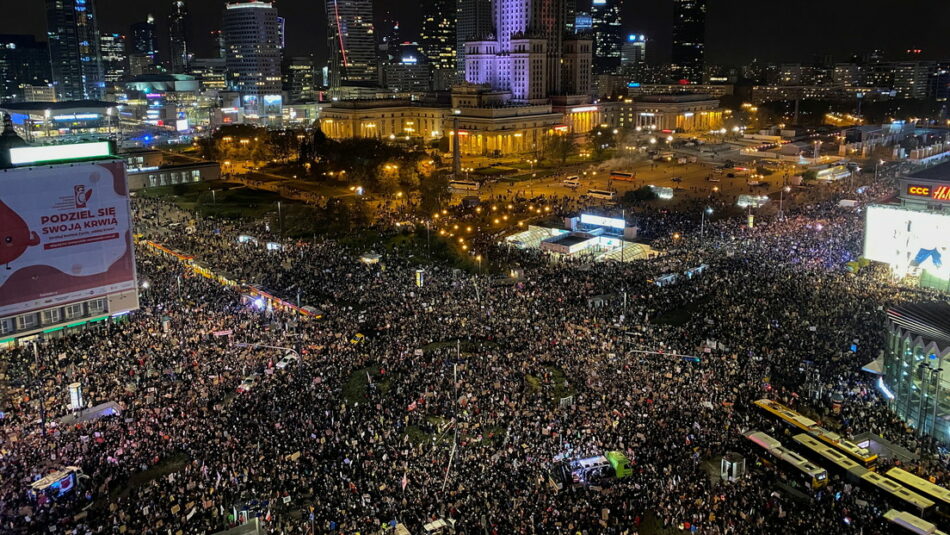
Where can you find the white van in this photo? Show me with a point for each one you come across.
(571, 182)
(601, 194)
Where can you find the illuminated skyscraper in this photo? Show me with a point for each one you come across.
(525, 55)
(114, 58)
(143, 38)
(474, 22)
(689, 39)
(178, 50)
(252, 39)
(633, 54)
(352, 42)
(74, 49)
(605, 20)
(438, 39)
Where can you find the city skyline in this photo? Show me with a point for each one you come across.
(726, 42)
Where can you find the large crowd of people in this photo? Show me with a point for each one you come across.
(463, 392)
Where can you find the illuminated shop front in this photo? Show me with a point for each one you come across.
(916, 370)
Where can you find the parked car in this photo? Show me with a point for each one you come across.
(248, 383)
(289, 358)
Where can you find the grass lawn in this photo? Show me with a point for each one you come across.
(354, 391)
(557, 387)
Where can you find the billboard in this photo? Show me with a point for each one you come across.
(65, 235)
(908, 240)
(589, 219)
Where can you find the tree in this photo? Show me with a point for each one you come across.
(810, 174)
(559, 147)
(600, 139)
(433, 193)
(644, 193)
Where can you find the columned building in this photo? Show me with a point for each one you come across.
(686, 112)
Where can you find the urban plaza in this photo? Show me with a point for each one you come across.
(474, 267)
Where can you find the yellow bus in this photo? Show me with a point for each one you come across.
(793, 418)
(911, 523)
(801, 469)
(938, 494)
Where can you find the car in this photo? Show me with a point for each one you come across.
(248, 383)
(676, 179)
(357, 338)
(289, 358)
(713, 179)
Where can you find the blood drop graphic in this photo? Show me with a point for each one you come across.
(15, 236)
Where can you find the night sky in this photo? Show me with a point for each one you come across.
(737, 30)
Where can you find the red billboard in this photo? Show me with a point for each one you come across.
(65, 235)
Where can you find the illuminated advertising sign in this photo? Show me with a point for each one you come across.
(918, 191)
(907, 239)
(66, 237)
(54, 153)
(937, 192)
(588, 219)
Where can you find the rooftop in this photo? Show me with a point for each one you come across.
(929, 320)
(65, 105)
(937, 172)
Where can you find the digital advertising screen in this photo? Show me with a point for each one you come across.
(65, 235)
(908, 239)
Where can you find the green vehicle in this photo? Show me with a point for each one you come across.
(592, 470)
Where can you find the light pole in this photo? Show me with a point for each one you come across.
(781, 201)
(702, 222)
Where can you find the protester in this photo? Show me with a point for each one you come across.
(451, 406)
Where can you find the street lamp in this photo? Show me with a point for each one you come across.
(781, 201)
(702, 223)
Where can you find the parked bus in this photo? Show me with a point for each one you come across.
(797, 467)
(921, 486)
(891, 491)
(911, 523)
(572, 181)
(601, 194)
(466, 185)
(626, 177)
(789, 416)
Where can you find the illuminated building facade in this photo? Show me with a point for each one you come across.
(686, 112)
(114, 59)
(253, 38)
(916, 367)
(179, 53)
(689, 39)
(605, 19)
(74, 49)
(474, 22)
(439, 41)
(352, 42)
(524, 56)
(633, 54)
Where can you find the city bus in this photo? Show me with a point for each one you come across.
(625, 177)
(797, 467)
(789, 416)
(891, 491)
(921, 486)
(911, 523)
(466, 185)
(601, 194)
